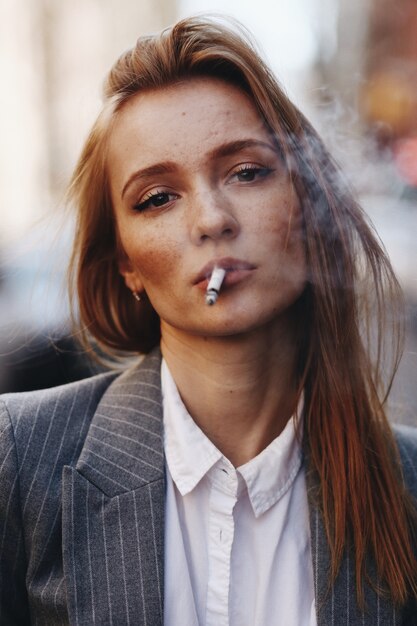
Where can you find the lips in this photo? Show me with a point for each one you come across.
(236, 269)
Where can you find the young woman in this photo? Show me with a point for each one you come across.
(248, 475)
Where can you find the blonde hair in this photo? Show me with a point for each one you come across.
(361, 494)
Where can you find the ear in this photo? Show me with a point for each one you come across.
(131, 276)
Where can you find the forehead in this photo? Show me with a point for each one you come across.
(184, 120)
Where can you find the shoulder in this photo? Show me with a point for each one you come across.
(57, 420)
(59, 416)
(406, 438)
(23, 409)
(41, 432)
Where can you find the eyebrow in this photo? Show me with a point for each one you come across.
(224, 150)
(166, 167)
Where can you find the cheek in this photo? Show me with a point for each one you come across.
(283, 226)
(152, 255)
(283, 233)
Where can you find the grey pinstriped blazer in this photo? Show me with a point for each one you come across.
(82, 510)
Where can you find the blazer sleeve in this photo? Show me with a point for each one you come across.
(14, 608)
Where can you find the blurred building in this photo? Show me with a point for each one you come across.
(390, 93)
(53, 58)
(389, 97)
(372, 75)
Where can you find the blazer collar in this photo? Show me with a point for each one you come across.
(123, 450)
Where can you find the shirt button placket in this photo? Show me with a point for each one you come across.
(221, 532)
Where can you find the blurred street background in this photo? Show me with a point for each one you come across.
(350, 66)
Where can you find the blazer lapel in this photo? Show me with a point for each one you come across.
(113, 507)
(337, 605)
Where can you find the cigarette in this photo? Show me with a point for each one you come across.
(214, 286)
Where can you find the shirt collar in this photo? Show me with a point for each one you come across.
(191, 455)
(272, 472)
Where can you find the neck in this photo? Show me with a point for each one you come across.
(240, 390)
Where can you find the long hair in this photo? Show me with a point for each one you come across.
(346, 307)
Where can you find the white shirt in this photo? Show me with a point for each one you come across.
(237, 541)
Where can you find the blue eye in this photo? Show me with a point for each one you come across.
(154, 201)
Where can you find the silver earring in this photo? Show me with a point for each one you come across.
(136, 296)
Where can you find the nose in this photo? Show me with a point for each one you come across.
(212, 218)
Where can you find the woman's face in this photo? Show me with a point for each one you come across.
(196, 182)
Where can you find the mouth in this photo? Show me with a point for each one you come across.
(236, 270)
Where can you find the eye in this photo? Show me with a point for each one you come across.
(154, 200)
(248, 172)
